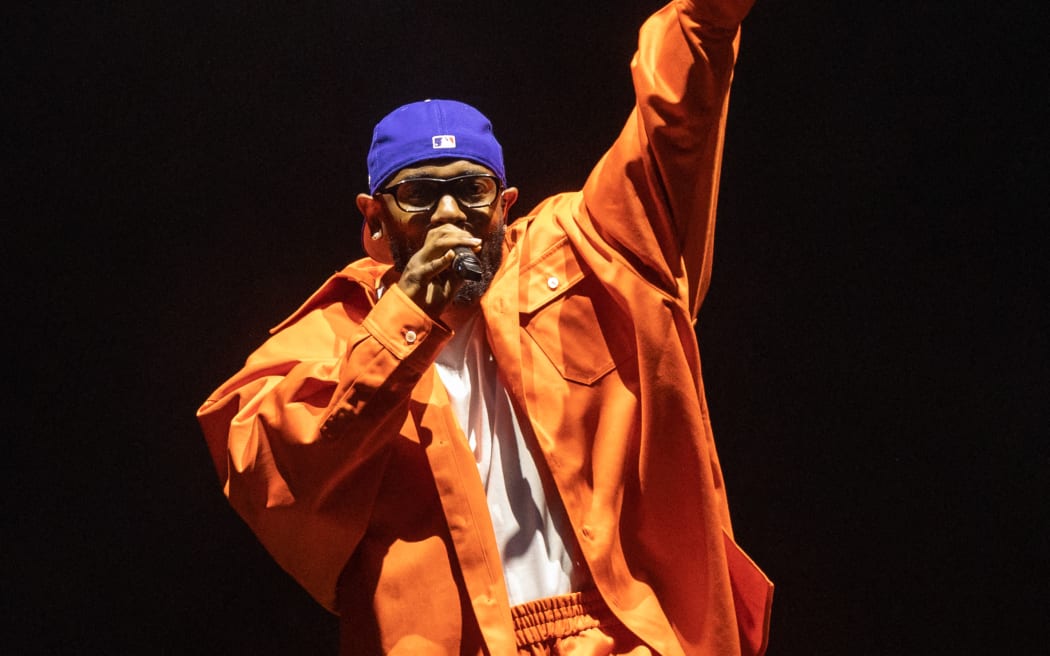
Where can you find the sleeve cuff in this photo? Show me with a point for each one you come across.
(404, 329)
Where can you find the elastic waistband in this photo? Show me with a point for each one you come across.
(553, 618)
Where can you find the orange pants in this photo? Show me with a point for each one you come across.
(577, 624)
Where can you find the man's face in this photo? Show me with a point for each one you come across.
(406, 230)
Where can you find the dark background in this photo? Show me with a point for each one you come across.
(179, 177)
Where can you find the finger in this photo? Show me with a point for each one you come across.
(426, 268)
(441, 240)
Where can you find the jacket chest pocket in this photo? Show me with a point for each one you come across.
(570, 317)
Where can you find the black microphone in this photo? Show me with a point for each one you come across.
(466, 264)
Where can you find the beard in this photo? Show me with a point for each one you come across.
(470, 292)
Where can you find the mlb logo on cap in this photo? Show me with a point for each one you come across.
(443, 141)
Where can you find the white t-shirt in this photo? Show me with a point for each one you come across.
(537, 562)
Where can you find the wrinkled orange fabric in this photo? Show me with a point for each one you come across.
(337, 445)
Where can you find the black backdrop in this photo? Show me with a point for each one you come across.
(180, 177)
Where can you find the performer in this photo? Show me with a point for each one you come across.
(493, 439)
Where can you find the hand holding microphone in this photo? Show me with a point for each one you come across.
(447, 249)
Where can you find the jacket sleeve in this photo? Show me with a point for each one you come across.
(653, 194)
(298, 436)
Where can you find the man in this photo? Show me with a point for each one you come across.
(521, 461)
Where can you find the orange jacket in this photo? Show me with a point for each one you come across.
(337, 444)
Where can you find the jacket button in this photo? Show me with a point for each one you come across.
(552, 282)
(410, 336)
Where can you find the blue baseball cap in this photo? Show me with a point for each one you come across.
(431, 129)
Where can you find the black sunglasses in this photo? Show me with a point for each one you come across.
(422, 194)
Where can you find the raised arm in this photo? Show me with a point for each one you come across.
(653, 195)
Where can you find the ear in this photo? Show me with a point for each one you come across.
(373, 212)
(507, 200)
(371, 209)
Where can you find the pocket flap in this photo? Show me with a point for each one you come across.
(550, 275)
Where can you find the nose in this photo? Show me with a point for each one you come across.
(447, 210)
